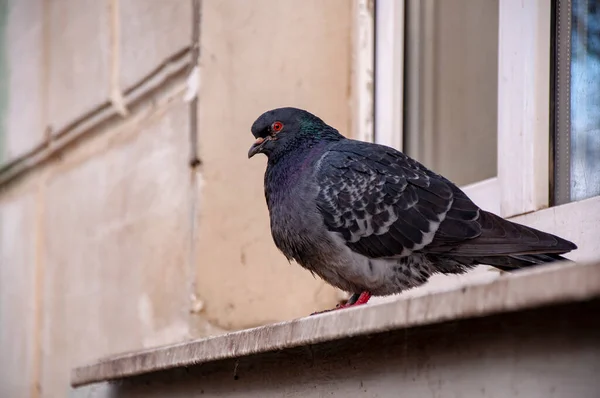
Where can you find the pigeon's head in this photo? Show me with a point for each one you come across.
(280, 130)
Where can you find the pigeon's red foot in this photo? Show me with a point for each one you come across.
(355, 300)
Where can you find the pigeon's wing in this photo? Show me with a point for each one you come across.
(381, 202)
(385, 204)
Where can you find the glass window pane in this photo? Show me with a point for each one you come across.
(585, 99)
(451, 87)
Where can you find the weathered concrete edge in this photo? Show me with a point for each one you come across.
(553, 284)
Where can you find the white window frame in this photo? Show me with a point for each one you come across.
(521, 184)
(389, 72)
(521, 188)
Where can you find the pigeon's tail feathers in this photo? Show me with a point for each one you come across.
(517, 261)
(528, 244)
(535, 259)
(457, 265)
(500, 238)
(501, 243)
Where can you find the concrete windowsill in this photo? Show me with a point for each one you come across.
(545, 286)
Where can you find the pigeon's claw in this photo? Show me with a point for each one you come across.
(363, 298)
(353, 301)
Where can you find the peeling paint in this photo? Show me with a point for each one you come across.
(197, 304)
(193, 85)
(116, 94)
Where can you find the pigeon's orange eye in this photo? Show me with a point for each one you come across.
(276, 127)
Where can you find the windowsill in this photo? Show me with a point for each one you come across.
(546, 286)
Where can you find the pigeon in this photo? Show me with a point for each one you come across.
(372, 221)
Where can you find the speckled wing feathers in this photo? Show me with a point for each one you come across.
(385, 204)
(380, 201)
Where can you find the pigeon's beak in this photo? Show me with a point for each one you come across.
(256, 147)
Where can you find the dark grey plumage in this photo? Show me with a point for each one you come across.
(366, 217)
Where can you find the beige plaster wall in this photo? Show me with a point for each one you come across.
(115, 243)
(277, 54)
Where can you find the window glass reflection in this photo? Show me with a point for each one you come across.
(585, 99)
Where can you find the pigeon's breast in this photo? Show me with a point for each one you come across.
(296, 225)
(293, 219)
